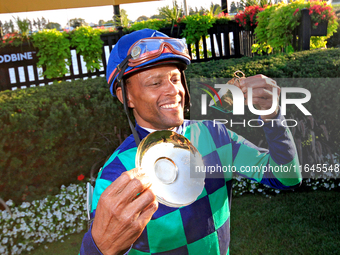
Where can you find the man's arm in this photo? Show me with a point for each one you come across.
(279, 167)
(123, 210)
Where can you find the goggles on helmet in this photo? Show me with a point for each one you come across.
(148, 49)
(151, 48)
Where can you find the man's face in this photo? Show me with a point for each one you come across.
(157, 97)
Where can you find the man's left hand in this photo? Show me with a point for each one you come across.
(262, 88)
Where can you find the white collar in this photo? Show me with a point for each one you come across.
(150, 130)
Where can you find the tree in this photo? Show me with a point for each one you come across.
(23, 25)
(53, 25)
(43, 22)
(110, 22)
(157, 16)
(37, 24)
(31, 25)
(261, 3)
(77, 22)
(215, 9)
(123, 20)
(171, 14)
(101, 22)
(192, 11)
(11, 26)
(141, 18)
(6, 28)
(201, 11)
(106, 23)
(1, 30)
(234, 8)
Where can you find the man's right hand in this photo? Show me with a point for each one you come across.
(123, 211)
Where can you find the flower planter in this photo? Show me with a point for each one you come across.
(320, 30)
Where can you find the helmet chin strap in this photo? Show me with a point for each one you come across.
(120, 81)
(126, 109)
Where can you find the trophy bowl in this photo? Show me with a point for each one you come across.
(168, 158)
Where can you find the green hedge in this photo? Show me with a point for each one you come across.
(50, 135)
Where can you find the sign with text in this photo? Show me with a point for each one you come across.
(18, 56)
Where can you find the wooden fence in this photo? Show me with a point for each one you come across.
(18, 66)
(18, 69)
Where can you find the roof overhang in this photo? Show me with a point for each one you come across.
(13, 6)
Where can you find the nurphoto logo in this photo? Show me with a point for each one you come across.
(230, 99)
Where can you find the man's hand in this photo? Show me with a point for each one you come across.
(262, 93)
(122, 214)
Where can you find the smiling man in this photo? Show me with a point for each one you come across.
(146, 73)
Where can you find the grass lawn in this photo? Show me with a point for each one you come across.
(291, 223)
(71, 245)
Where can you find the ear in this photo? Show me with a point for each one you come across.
(119, 94)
